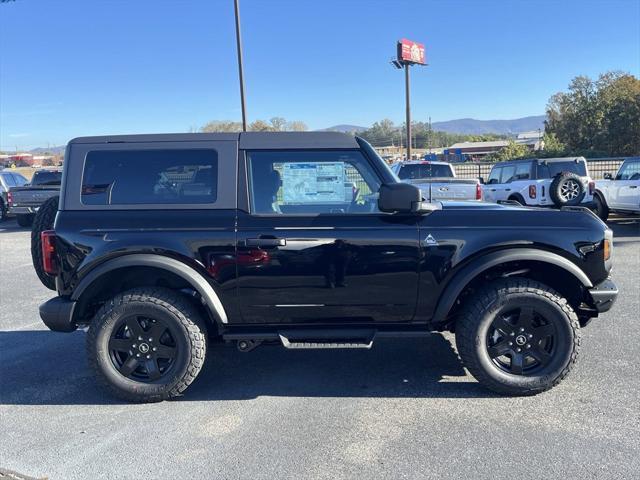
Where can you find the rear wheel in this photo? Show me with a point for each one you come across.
(147, 344)
(601, 209)
(518, 337)
(3, 211)
(25, 220)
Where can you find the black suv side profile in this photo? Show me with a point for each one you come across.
(165, 243)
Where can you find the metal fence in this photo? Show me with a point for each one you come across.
(597, 168)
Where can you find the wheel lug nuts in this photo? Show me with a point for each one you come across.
(518, 349)
(530, 336)
(522, 329)
(134, 345)
(154, 349)
(137, 355)
(139, 338)
(510, 343)
(512, 334)
(150, 339)
(148, 356)
(528, 346)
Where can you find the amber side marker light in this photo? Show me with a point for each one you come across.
(607, 249)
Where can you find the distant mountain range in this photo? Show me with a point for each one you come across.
(345, 128)
(469, 126)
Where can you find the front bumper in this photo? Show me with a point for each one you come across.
(57, 314)
(604, 295)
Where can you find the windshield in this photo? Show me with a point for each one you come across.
(47, 178)
(424, 170)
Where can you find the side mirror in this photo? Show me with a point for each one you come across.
(608, 176)
(399, 197)
(481, 180)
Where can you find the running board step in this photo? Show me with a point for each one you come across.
(327, 339)
(320, 345)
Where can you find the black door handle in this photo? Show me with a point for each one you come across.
(633, 186)
(507, 189)
(265, 242)
(493, 189)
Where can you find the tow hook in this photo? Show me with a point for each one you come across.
(248, 345)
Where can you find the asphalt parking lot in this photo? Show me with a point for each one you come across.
(405, 409)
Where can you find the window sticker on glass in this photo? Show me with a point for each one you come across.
(313, 182)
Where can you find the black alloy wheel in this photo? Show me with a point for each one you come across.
(521, 341)
(517, 336)
(143, 349)
(147, 344)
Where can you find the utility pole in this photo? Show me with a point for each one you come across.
(240, 68)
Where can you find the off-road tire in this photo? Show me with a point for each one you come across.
(601, 209)
(25, 220)
(170, 305)
(480, 311)
(555, 190)
(3, 211)
(43, 221)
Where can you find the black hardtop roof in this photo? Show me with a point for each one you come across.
(246, 140)
(542, 160)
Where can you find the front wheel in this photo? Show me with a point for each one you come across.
(518, 337)
(147, 344)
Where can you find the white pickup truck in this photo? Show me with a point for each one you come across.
(437, 180)
(621, 193)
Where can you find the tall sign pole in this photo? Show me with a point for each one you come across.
(409, 53)
(240, 68)
(407, 87)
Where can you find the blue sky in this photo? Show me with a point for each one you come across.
(71, 68)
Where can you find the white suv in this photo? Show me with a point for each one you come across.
(620, 193)
(543, 182)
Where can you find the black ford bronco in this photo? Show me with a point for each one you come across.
(165, 243)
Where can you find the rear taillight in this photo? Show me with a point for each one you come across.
(592, 187)
(532, 191)
(49, 260)
(10, 198)
(478, 191)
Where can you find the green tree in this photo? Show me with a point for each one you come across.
(599, 117)
(511, 151)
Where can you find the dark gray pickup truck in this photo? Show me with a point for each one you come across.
(25, 201)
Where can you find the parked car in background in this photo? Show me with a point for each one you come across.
(543, 182)
(24, 201)
(8, 180)
(437, 180)
(619, 193)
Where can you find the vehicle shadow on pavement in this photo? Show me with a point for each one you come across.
(47, 368)
(627, 228)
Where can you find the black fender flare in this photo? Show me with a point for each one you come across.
(195, 279)
(461, 279)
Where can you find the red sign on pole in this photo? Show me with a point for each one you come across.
(411, 52)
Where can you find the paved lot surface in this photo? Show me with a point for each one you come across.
(405, 409)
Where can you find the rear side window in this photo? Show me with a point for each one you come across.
(9, 180)
(19, 179)
(138, 177)
(45, 177)
(424, 170)
(508, 174)
(552, 169)
(523, 171)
